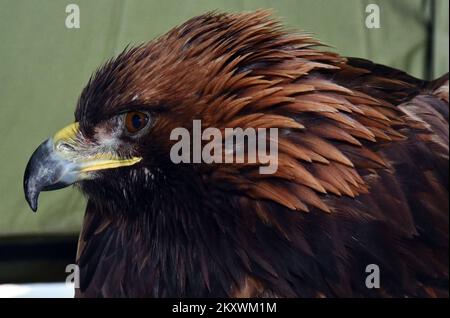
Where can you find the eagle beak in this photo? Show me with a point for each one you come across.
(64, 159)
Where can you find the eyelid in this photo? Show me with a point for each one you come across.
(128, 110)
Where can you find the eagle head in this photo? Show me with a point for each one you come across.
(118, 149)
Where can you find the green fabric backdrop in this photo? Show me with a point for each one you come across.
(44, 66)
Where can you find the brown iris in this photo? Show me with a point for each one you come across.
(135, 121)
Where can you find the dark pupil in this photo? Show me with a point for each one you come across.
(136, 121)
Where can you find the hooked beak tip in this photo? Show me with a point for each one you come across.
(33, 203)
(31, 194)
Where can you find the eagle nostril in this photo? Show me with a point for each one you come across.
(65, 147)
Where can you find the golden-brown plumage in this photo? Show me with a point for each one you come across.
(349, 128)
(362, 171)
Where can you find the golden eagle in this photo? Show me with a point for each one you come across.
(362, 174)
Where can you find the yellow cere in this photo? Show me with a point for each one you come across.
(67, 133)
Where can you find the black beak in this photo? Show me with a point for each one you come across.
(45, 171)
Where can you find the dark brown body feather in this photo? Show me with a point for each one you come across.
(362, 177)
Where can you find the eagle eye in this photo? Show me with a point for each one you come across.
(135, 121)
